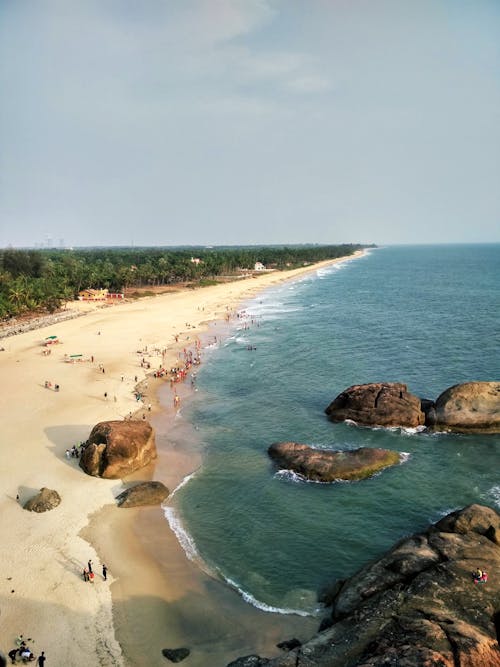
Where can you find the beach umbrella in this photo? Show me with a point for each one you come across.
(51, 337)
(75, 355)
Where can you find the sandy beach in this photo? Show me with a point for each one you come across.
(154, 597)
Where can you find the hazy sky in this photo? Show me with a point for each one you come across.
(165, 122)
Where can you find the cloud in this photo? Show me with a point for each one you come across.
(312, 83)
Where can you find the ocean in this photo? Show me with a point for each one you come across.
(427, 316)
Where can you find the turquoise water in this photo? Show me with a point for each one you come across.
(427, 316)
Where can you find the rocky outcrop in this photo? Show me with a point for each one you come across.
(377, 404)
(44, 501)
(321, 465)
(117, 448)
(250, 661)
(471, 407)
(418, 604)
(145, 493)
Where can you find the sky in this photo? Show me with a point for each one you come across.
(226, 122)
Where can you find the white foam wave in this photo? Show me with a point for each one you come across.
(407, 430)
(186, 479)
(328, 270)
(494, 495)
(262, 605)
(183, 537)
(297, 478)
(290, 476)
(404, 457)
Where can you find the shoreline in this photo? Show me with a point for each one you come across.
(43, 555)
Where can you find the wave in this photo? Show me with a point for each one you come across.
(188, 545)
(183, 482)
(262, 605)
(183, 537)
(404, 430)
(493, 495)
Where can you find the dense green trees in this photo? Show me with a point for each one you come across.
(43, 279)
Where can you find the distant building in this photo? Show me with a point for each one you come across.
(195, 260)
(258, 266)
(93, 295)
(98, 295)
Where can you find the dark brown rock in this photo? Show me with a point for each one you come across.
(321, 465)
(145, 493)
(289, 644)
(175, 654)
(377, 404)
(418, 604)
(46, 500)
(117, 448)
(471, 407)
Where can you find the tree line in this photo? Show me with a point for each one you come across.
(41, 280)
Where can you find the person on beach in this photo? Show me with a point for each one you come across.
(177, 401)
(26, 654)
(68, 454)
(104, 572)
(12, 655)
(105, 395)
(41, 659)
(90, 566)
(85, 574)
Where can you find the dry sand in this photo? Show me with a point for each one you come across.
(154, 597)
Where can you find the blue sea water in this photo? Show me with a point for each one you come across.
(427, 316)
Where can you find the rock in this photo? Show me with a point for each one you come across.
(418, 604)
(321, 465)
(145, 493)
(377, 404)
(117, 448)
(46, 500)
(249, 661)
(289, 644)
(471, 407)
(175, 654)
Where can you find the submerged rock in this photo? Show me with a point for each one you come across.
(144, 493)
(321, 465)
(377, 404)
(44, 501)
(418, 604)
(117, 448)
(471, 407)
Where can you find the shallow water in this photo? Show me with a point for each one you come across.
(427, 316)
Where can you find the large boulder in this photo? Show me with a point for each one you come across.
(418, 604)
(118, 448)
(44, 501)
(144, 493)
(377, 404)
(323, 465)
(471, 407)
